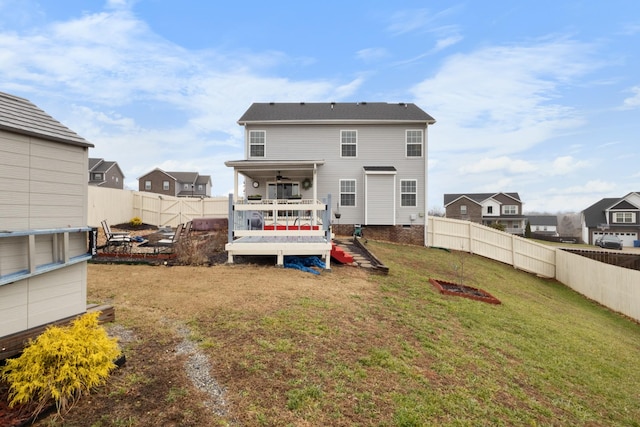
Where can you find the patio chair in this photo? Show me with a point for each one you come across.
(171, 242)
(116, 239)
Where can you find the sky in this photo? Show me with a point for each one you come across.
(540, 98)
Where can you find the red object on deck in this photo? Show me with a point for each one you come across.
(338, 254)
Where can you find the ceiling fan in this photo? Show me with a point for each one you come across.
(282, 178)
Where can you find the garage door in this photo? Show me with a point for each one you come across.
(627, 238)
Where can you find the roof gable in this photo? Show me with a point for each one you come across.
(20, 116)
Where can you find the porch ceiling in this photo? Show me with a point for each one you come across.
(266, 169)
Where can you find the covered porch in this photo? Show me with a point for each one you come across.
(275, 210)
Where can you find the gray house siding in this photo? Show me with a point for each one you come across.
(377, 145)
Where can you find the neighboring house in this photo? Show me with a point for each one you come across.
(617, 216)
(487, 209)
(105, 174)
(43, 219)
(370, 157)
(543, 224)
(177, 184)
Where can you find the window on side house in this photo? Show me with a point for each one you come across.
(347, 192)
(165, 185)
(348, 143)
(489, 209)
(626, 217)
(147, 185)
(463, 209)
(510, 210)
(97, 177)
(414, 143)
(408, 192)
(200, 187)
(257, 143)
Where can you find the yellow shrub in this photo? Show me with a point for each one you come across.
(61, 364)
(135, 221)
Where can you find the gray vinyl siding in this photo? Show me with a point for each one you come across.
(378, 145)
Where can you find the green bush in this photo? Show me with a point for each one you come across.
(61, 364)
(135, 221)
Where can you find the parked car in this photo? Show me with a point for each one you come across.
(610, 242)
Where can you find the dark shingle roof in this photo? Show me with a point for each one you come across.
(595, 214)
(542, 219)
(334, 111)
(380, 168)
(476, 197)
(184, 176)
(21, 116)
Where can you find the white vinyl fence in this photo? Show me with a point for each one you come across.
(120, 206)
(523, 254)
(614, 287)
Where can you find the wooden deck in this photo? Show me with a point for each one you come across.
(280, 246)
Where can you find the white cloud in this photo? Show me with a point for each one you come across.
(503, 99)
(633, 101)
(590, 187)
(502, 163)
(372, 54)
(567, 164)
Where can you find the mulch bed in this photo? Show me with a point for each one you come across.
(455, 289)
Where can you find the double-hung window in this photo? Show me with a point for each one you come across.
(165, 185)
(510, 209)
(414, 143)
(624, 217)
(147, 185)
(348, 143)
(463, 209)
(257, 143)
(408, 192)
(347, 192)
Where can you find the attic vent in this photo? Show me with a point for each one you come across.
(364, 103)
(302, 103)
(332, 104)
(271, 103)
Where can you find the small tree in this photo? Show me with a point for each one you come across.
(527, 230)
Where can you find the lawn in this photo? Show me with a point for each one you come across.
(346, 348)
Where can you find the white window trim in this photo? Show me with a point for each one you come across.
(623, 214)
(147, 187)
(168, 186)
(464, 211)
(504, 210)
(343, 144)
(355, 192)
(406, 143)
(414, 193)
(264, 144)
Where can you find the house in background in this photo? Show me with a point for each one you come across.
(176, 184)
(370, 158)
(619, 216)
(43, 220)
(487, 209)
(105, 174)
(543, 224)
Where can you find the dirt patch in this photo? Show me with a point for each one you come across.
(455, 289)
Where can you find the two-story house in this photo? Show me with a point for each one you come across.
(487, 209)
(104, 173)
(619, 216)
(177, 184)
(370, 158)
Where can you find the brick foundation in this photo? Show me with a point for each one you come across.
(410, 235)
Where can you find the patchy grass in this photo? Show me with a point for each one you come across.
(346, 348)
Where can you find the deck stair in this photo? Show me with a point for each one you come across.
(339, 254)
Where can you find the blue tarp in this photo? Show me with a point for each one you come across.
(303, 263)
